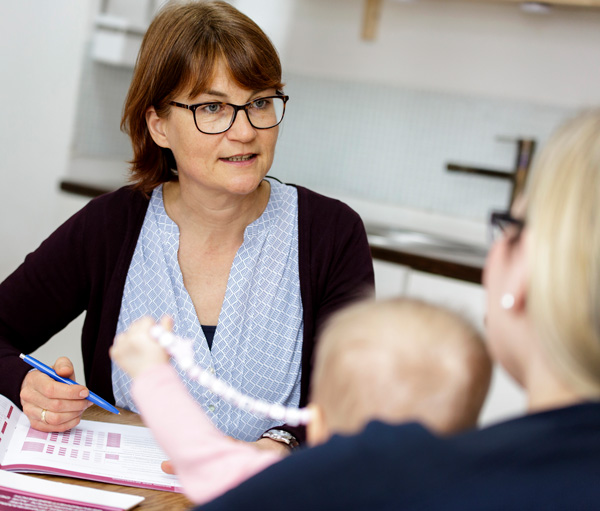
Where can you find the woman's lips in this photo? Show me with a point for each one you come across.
(240, 158)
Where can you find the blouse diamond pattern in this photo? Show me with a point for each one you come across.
(257, 347)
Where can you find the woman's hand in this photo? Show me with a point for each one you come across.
(50, 405)
(267, 444)
(136, 350)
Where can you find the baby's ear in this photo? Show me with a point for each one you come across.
(317, 431)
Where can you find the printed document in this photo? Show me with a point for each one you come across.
(98, 451)
(20, 492)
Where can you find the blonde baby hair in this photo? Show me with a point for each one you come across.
(400, 360)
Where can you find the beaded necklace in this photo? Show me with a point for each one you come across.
(181, 350)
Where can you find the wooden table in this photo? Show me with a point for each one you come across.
(155, 500)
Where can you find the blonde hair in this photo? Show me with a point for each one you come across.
(399, 360)
(563, 199)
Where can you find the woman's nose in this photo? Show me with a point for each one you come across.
(241, 129)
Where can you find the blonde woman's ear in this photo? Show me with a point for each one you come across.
(317, 431)
(514, 298)
(521, 288)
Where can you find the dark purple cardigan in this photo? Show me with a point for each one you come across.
(83, 265)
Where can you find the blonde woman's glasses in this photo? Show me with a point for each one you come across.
(504, 225)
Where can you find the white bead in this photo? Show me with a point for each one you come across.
(277, 412)
(204, 379)
(219, 387)
(156, 331)
(292, 416)
(236, 400)
(228, 394)
(305, 415)
(253, 405)
(186, 363)
(244, 403)
(262, 408)
(182, 351)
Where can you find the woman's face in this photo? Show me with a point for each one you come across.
(230, 163)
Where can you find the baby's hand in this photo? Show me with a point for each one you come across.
(136, 350)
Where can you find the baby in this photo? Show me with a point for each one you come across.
(396, 360)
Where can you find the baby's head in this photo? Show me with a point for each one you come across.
(397, 360)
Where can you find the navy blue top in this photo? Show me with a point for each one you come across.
(544, 461)
(209, 333)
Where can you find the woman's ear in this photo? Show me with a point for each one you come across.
(317, 431)
(518, 278)
(156, 127)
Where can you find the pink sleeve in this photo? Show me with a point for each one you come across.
(207, 463)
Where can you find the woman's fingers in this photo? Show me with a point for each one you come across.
(64, 368)
(50, 405)
(46, 420)
(167, 467)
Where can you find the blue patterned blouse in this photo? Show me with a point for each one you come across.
(257, 347)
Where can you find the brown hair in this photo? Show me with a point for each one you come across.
(179, 53)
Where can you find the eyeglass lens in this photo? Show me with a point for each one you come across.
(217, 117)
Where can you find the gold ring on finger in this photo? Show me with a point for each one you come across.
(44, 416)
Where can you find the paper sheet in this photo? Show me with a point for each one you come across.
(20, 492)
(99, 451)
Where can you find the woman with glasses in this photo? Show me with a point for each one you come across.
(244, 264)
(543, 325)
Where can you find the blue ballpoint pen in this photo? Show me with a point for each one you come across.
(97, 400)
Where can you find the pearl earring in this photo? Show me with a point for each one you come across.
(507, 301)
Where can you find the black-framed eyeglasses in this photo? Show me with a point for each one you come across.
(214, 117)
(503, 224)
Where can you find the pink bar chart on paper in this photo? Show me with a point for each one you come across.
(101, 451)
(108, 452)
(97, 446)
(113, 440)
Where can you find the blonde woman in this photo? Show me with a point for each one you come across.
(543, 323)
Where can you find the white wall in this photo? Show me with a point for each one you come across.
(42, 51)
(480, 48)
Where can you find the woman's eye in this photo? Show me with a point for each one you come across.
(260, 103)
(212, 108)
